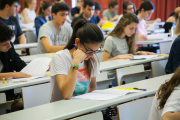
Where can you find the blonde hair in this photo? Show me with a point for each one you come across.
(26, 2)
(43, 6)
(127, 19)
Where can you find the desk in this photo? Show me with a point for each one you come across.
(24, 46)
(160, 30)
(114, 64)
(23, 84)
(65, 109)
(29, 58)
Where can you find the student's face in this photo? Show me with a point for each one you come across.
(115, 8)
(33, 4)
(18, 8)
(84, 47)
(12, 9)
(130, 9)
(60, 17)
(96, 13)
(80, 3)
(89, 11)
(5, 46)
(147, 14)
(47, 12)
(129, 30)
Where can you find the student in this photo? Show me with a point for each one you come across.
(54, 35)
(96, 13)
(170, 22)
(74, 69)
(145, 11)
(10, 62)
(166, 103)
(88, 11)
(128, 7)
(7, 10)
(110, 14)
(17, 11)
(28, 13)
(120, 43)
(76, 11)
(55, 1)
(43, 15)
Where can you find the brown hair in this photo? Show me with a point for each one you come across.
(43, 6)
(126, 19)
(26, 2)
(167, 88)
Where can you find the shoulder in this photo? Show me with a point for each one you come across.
(105, 11)
(110, 38)
(62, 54)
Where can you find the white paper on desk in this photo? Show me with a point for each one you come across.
(144, 56)
(157, 36)
(37, 67)
(106, 94)
(151, 27)
(29, 25)
(22, 79)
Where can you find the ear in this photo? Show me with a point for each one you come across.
(6, 6)
(53, 15)
(77, 41)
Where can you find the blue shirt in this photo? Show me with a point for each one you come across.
(39, 21)
(174, 57)
(92, 20)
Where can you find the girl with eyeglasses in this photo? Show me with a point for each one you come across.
(74, 69)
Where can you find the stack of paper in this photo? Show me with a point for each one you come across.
(106, 94)
(144, 56)
(36, 68)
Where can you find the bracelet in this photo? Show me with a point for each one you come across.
(76, 67)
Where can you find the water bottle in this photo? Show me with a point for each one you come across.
(172, 31)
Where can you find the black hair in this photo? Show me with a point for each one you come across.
(55, 0)
(6, 32)
(125, 4)
(89, 3)
(3, 3)
(112, 4)
(43, 6)
(87, 33)
(97, 6)
(60, 7)
(146, 5)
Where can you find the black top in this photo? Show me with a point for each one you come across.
(174, 57)
(11, 61)
(74, 11)
(14, 25)
(167, 26)
(92, 20)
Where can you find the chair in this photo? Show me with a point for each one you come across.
(128, 70)
(102, 81)
(158, 68)
(93, 116)
(36, 95)
(135, 110)
(4, 105)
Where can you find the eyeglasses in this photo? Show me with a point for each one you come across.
(91, 51)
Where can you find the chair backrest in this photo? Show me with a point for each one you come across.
(135, 110)
(5, 106)
(158, 68)
(36, 95)
(127, 70)
(93, 116)
(2, 97)
(134, 77)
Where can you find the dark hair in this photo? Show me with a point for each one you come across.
(125, 5)
(6, 32)
(97, 6)
(89, 3)
(3, 3)
(126, 19)
(55, 0)
(43, 6)
(60, 7)
(167, 88)
(87, 33)
(145, 0)
(146, 5)
(112, 4)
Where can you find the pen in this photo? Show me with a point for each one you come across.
(75, 47)
(139, 89)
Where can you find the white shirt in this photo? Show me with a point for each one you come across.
(31, 15)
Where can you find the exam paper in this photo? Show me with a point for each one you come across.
(144, 56)
(151, 27)
(157, 36)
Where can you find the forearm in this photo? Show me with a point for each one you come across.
(6, 75)
(91, 89)
(51, 49)
(22, 39)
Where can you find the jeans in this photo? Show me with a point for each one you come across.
(114, 82)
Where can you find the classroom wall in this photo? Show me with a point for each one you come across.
(163, 7)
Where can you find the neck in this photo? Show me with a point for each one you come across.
(4, 14)
(110, 10)
(58, 27)
(140, 17)
(86, 18)
(71, 52)
(122, 36)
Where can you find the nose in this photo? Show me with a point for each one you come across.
(9, 46)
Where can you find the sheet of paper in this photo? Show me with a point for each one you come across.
(37, 67)
(29, 25)
(144, 56)
(115, 91)
(157, 36)
(22, 79)
(151, 27)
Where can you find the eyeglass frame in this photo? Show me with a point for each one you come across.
(91, 51)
